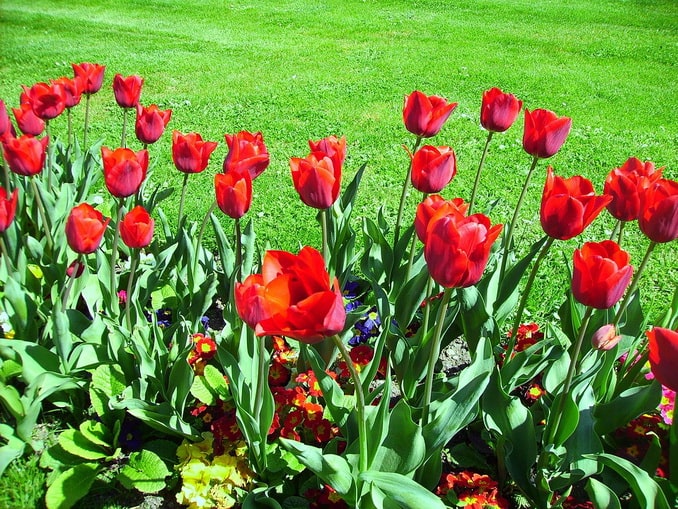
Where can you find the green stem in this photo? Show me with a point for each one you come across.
(132, 271)
(5, 255)
(480, 167)
(634, 283)
(413, 243)
(263, 376)
(621, 232)
(201, 232)
(84, 139)
(526, 294)
(43, 214)
(434, 353)
(114, 252)
(69, 116)
(427, 307)
(183, 198)
(403, 196)
(50, 152)
(238, 249)
(360, 403)
(71, 280)
(326, 247)
(123, 139)
(5, 171)
(509, 233)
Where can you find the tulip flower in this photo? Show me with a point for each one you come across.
(7, 208)
(5, 123)
(569, 205)
(332, 147)
(26, 155)
(136, 228)
(246, 152)
(127, 90)
(316, 180)
(234, 193)
(658, 218)
(92, 76)
(85, 228)
(433, 168)
(430, 206)
(499, 110)
(75, 269)
(124, 170)
(544, 132)
(457, 249)
(605, 338)
(601, 273)
(663, 346)
(27, 121)
(47, 100)
(151, 123)
(299, 301)
(425, 115)
(190, 153)
(72, 88)
(626, 184)
(250, 300)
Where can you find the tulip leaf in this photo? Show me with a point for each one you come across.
(601, 496)
(627, 406)
(403, 449)
(410, 297)
(405, 492)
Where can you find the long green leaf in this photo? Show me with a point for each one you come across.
(407, 493)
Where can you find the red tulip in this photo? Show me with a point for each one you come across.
(190, 153)
(658, 218)
(431, 206)
(246, 152)
(433, 168)
(332, 147)
(626, 184)
(127, 90)
(297, 300)
(136, 228)
(27, 121)
(7, 208)
(663, 356)
(124, 170)
(425, 115)
(151, 123)
(544, 132)
(85, 228)
(47, 100)
(316, 180)
(569, 205)
(600, 274)
(72, 89)
(457, 248)
(26, 155)
(5, 124)
(234, 193)
(92, 76)
(499, 110)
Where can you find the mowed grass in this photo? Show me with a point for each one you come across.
(298, 69)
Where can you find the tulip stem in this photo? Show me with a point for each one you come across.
(410, 262)
(123, 139)
(50, 153)
(326, 247)
(71, 280)
(84, 139)
(634, 283)
(621, 232)
(403, 196)
(509, 233)
(69, 116)
(262, 379)
(43, 213)
(5, 170)
(4, 254)
(433, 355)
(132, 270)
(114, 251)
(201, 232)
(480, 167)
(181, 201)
(526, 294)
(238, 249)
(360, 403)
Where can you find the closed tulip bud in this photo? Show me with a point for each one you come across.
(127, 90)
(75, 269)
(250, 300)
(124, 170)
(433, 168)
(72, 88)
(47, 100)
(605, 338)
(234, 193)
(658, 218)
(190, 153)
(5, 124)
(569, 205)
(457, 248)
(601, 273)
(7, 208)
(425, 115)
(544, 133)
(27, 121)
(246, 152)
(92, 76)
(25, 155)
(663, 346)
(499, 110)
(85, 228)
(151, 123)
(431, 206)
(316, 180)
(136, 228)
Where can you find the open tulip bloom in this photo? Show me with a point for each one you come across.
(246, 152)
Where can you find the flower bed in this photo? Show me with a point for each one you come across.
(262, 378)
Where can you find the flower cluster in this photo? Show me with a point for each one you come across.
(633, 440)
(471, 490)
(204, 348)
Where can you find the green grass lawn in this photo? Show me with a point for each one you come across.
(298, 69)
